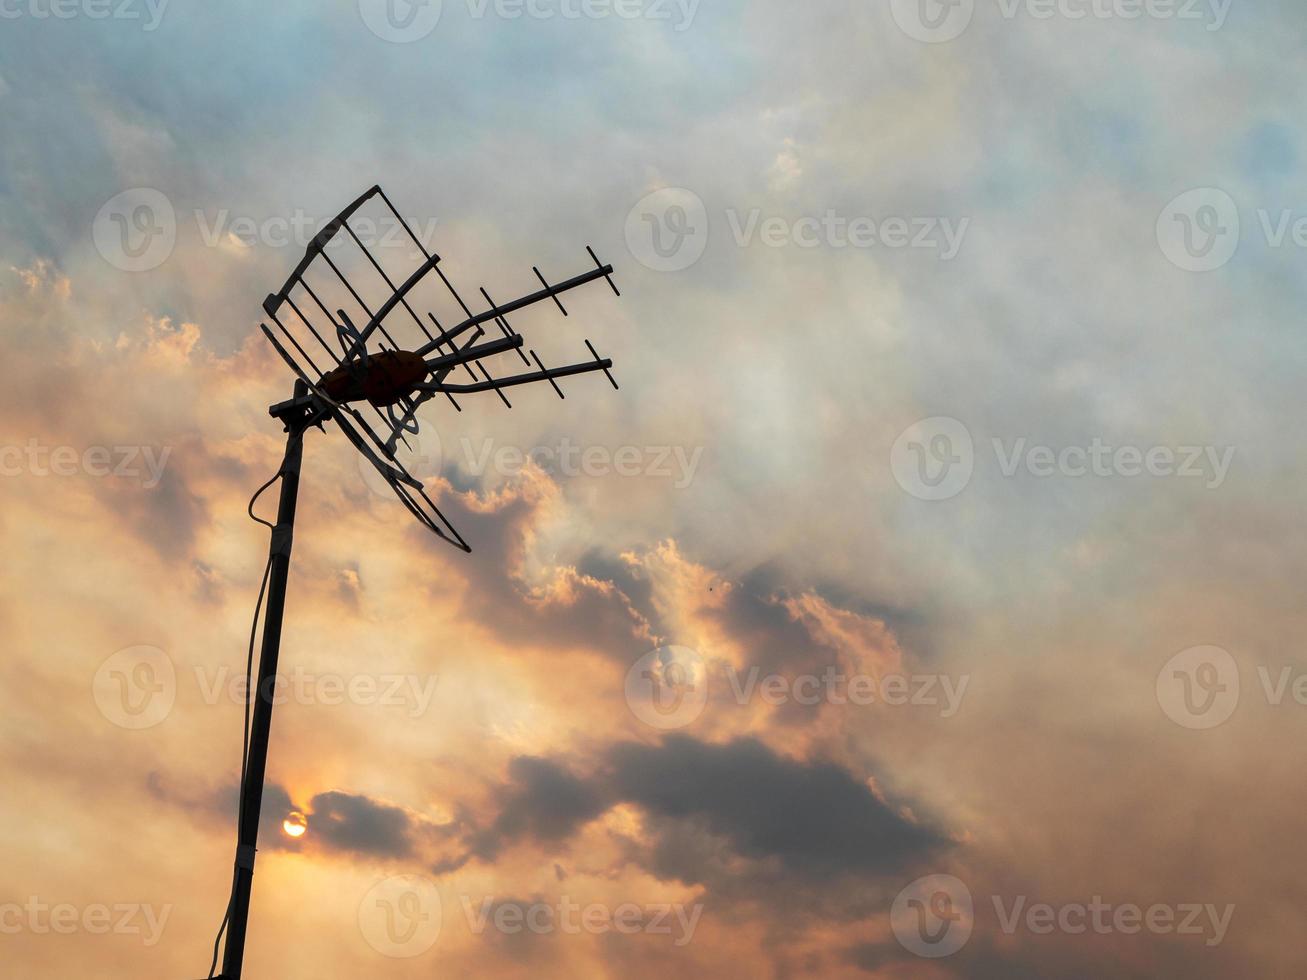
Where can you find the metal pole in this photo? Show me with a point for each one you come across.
(261, 726)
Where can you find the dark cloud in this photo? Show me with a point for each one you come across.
(167, 516)
(711, 804)
(544, 802)
(873, 956)
(339, 822)
(344, 822)
(221, 806)
(755, 616)
(816, 818)
(630, 579)
(573, 611)
(975, 961)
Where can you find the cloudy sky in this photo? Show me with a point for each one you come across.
(922, 606)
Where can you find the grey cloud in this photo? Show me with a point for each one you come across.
(346, 822)
(544, 801)
(816, 818)
(221, 805)
(755, 616)
(599, 615)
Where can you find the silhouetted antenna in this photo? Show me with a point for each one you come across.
(373, 365)
(604, 364)
(503, 324)
(369, 366)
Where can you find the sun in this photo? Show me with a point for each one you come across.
(295, 825)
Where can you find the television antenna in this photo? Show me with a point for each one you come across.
(364, 359)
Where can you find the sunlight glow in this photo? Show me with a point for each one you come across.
(295, 824)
